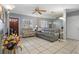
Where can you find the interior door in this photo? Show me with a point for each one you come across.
(14, 25)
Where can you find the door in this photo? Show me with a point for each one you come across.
(14, 25)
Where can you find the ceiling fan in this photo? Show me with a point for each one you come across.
(38, 10)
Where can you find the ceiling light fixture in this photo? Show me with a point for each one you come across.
(8, 6)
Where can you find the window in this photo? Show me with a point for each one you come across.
(44, 24)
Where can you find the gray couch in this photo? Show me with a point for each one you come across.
(48, 35)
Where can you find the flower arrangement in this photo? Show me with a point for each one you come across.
(11, 42)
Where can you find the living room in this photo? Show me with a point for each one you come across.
(42, 28)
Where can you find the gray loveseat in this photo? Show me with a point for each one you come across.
(48, 35)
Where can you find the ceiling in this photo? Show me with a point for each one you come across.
(53, 10)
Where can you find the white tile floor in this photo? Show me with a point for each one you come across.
(34, 45)
(0, 46)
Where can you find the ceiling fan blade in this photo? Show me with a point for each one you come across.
(42, 10)
(39, 12)
(37, 8)
(33, 12)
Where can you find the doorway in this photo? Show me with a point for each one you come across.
(14, 25)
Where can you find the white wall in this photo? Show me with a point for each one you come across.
(73, 26)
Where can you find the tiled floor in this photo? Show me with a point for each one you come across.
(0, 47)
(34, 45)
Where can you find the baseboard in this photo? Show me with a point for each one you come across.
(72, 39)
